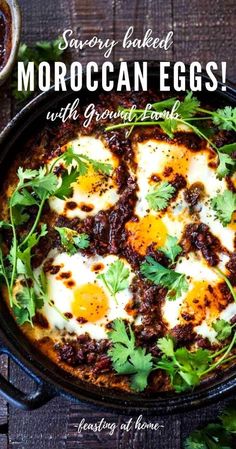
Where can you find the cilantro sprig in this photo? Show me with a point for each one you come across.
(77, 165)
(171, 248)
(223, 329)
(33, 189)
(159, 195)
(116, 278)
(224, 205)
(127, 358)
(186, 368)
(191, 115)
(48, 51)
(72, 240)
(175, 283)
(218, 435)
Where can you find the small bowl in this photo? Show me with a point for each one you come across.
(12, 13)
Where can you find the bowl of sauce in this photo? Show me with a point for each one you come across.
(10, 28)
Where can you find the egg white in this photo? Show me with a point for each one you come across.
(100, 198)
(152, 156)
(81, 269)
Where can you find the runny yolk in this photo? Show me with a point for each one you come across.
(90, 302)
(203, 302)
(90, 182)
(146, 231)
(177, 162)
(232, 224)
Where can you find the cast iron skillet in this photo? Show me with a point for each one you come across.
(49, 379)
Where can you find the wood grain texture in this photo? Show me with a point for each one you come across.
(142, 15)
(203, 30)
(3, 442)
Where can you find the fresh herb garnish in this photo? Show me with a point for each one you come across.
(171, 249)
(48, 51)
(67, 179)
(116, 277)
(78, 165)
(82, 161)
(159, 196)
(218, 435)
(127, 358)
(186, 368)
(72, 240)
(175, 282)
(224, 205)
(223, 329)
(33, 189)
(191, 115)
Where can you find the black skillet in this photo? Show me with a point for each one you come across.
(50, 381)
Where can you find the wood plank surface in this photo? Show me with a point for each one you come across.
(202, 31)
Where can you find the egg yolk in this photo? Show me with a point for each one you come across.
(232, 224)
(177, 162)
(92, 182)
(90, 302)
(146, 231)
(202, 302)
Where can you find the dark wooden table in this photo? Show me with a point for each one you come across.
(204, 30)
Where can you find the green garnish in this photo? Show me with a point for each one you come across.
(48, 51)
(192, 116)
(171, 249)
(228, 418)
(186, 368)
(224, 205)
(34, 188)
(175, 282)
(127, 358)
(223, 329)
(79, 168)
(116, 278)
(72, 241)
(82, 162)
(218, 435)
(159, 196)
(225, 118)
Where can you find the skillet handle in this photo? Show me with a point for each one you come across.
(18, 399)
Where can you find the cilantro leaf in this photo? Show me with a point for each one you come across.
(183, 367)
(23, 198)
(82, 161)
(127, 358)
(49, 50)
(160, 106)
(224, 206)
(189, 106)
(226, 163)
(66, 190)
(175, 282)
(166, 345)
(225, 118)
(159, 196)
(212, 436)
(116, 278)
(223, 329)
(28, 303)
(171, 249)
(71, 240)
(228, 418)
(169, 126)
